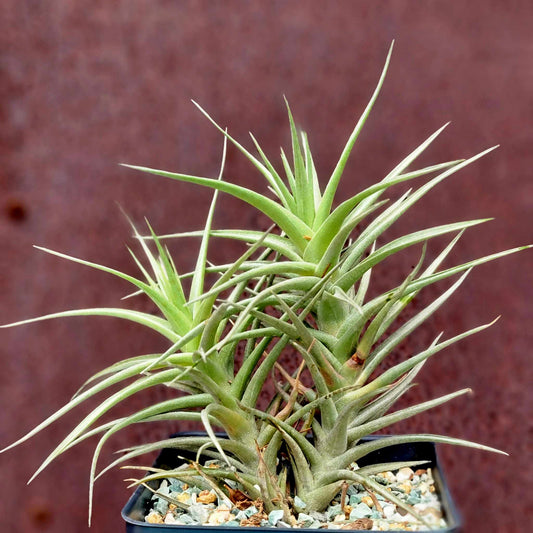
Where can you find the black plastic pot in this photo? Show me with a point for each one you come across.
(140, 502)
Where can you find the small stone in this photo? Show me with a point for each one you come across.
(183, 497)
(320, 517)
(361, 510)
(198, 513)
(388, 476)
(334, 511)
(305, 519)
(414, 497)
(299, 503)
(206, 496)
(389, 510)
(339, 518)
(254, 520)
(220, 516)
(404, 474)
(423, 487)
(368, 500)
(174, 494)
(233, 523)
(161, 506)
(251, 511)
(432, 488)
(405, 487)
(185, 519)
(355, 499)
(360, 524)
(432, 513)
(241, 515)
(153, 517)
(175, 485)
(171, 519)
(164, 488)
(419, 472)
(351, 490)
(275, 516)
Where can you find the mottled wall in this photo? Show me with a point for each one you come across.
(86, 85)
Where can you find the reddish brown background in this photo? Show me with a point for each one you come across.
(86, 85)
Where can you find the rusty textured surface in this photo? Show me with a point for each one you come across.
(84, 86)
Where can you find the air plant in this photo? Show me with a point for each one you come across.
(299, 291)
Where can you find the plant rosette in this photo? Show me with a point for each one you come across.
(177, 504)
(293, 319)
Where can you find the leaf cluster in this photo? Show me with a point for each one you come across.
(300, 291)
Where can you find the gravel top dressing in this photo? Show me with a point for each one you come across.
(356, 508)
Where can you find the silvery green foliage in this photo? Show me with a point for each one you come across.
(302, 286)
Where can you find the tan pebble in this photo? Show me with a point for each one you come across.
(406, 487)
(172, 507)
(254, 520)
(219, 517)
(183, 497)
(389, 476)
(347, 509)
(206, 497)
(419, 472)
(359, 524)
(185, 486)
(368, 500)
(432, 488)
(431, 511)
(339, 518)
(154, 518)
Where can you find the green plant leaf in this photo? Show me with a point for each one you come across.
(287, 221)
(331, 187)
(150, 321)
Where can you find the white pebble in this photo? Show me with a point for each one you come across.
(170, 519)
(389, 510)
(404, 474)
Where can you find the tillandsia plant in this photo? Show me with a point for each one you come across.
(300, 291)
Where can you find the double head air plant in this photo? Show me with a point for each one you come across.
(300, 292)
